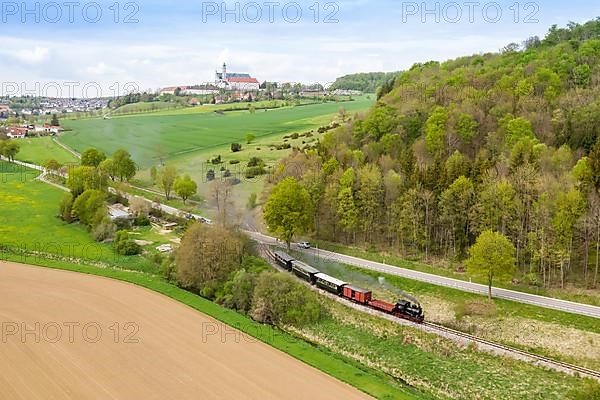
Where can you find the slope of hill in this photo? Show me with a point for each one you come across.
(506, 142)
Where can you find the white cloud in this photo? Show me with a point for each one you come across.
(32, 56)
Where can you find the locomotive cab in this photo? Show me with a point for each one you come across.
(412, 310)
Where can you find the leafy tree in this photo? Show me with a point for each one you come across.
(454, 204)
(207, 257)
(166, 179)
(85, 178)
(53, 166)
(466, 127)
(250, 138)
(185, 187)
(9, 149)
(89, 208)
(107, 169)
(435, 130)
(594, 164)
(280, 300)
(288, 210)
(124, 245)
(492, 257)
(54, 121)
(92, 157)
(124, 167)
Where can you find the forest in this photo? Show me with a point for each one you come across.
(367, 82)
(505, 142)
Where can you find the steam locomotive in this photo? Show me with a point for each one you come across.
(411, 311)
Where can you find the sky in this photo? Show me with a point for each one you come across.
(104, 48)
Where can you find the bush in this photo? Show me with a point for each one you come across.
(295, 135)
(226, 173)
(124, 246)
(256, 162)
(216, 160)
(104, 231)
(66, 209)
(254, 172)
(236, 147)
(210, 175)
(142, 220)
(280, 300)
(233, 162)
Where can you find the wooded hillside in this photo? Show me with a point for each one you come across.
(507, 142)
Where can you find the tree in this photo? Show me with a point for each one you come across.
(435, 130)
(166, 179)
(236, 147)
(124, 167)
(92, 157)
(288, 210)
(52, 166)
(10, 149)
(185, 187)
(281, 300)
(89, 207)
(107, 169)
(85, 178)
(54, 121)
(455, 203)
(154, 174)
(492, 257)
(250, 138)
(207, 257)
(594, 164)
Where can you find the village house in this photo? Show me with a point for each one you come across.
(14, 132)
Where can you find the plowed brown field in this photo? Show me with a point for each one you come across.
(72, 336)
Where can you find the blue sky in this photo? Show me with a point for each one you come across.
(156, 43)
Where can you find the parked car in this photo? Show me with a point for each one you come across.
(304, 245)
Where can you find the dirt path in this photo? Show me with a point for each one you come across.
(167, 351)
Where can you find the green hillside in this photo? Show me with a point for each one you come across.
(506, 142)
(169, 134)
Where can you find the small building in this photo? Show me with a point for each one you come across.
(14, 132)
(119, 211)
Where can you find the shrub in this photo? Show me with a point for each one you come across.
(280, 300)
(295, 135)
(210, 175)
(256, 162)
(236, 147)
(233, 162)
(124, 246)
(142, 220)
(104, 231)
(66, 209)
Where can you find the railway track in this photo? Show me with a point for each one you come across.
(550, 362)
(454, 334)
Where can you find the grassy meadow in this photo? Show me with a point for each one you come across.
(29, 224)
(38, 150)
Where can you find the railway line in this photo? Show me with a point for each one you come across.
(455, 335)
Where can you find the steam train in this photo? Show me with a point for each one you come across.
(402, 309)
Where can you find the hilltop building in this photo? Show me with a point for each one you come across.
(235, 81)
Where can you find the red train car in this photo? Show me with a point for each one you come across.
(383, 306)
(357, 294)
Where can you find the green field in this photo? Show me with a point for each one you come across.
(28, 222)
(39, 150)
(171, 134)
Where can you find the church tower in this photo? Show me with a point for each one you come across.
(224, 71)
